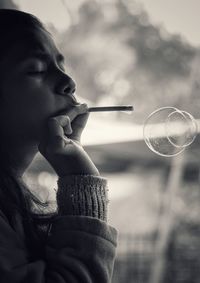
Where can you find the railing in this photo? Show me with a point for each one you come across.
(134, 258)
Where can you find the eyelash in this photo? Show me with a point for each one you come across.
(37, 72)
(44, 71)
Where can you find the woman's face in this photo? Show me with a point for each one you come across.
(33, 86)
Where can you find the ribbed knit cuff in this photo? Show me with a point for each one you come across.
(83, 195)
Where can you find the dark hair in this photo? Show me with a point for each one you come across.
(15, 20)
(15, 196)
(14, 25)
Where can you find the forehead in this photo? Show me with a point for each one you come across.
(30, 43)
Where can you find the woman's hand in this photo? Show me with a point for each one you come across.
(61, 143)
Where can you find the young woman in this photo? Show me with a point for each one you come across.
(39, 112)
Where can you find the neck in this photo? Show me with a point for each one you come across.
(20, 157)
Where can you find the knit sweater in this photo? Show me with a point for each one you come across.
(78, 245)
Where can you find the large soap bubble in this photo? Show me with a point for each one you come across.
(168, 131)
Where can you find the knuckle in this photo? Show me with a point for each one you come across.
(82, 109)
(67, 119)
(52, 119)
(64, 118)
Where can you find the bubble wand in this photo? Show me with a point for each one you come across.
(111, 108)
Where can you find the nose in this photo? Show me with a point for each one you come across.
(66, 86)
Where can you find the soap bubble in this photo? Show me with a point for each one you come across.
(168, 131)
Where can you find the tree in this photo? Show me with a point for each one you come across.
(8, 4)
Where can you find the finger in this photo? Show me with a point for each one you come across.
(80, 121)
(76, 110)
(55, 129)
(56, 138)
(73, 113)
(64, 121)
(78, 126)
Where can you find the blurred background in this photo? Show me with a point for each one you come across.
(145, 54)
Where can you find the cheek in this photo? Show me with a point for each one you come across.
(32, 97)
(27, 106)
(29, 112)
(31, 102)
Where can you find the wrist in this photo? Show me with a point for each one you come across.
(79, 164)
(83, 195)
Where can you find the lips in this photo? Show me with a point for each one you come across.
(73, 98)
(71, 101)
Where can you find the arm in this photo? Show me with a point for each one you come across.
(80, 243)
(82, 205)
(78, 248)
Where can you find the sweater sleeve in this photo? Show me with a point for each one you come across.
(83, 195)
(78, 249)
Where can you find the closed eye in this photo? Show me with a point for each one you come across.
(37, 71)
(41, 64)
(37, 67)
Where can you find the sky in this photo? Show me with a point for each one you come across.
(177, 16)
